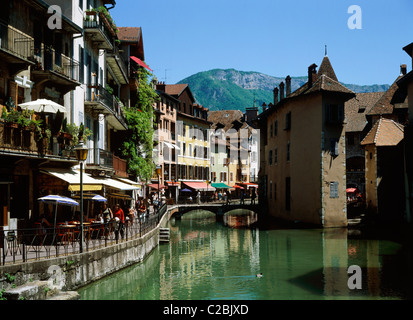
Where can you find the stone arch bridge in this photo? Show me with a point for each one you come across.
(218, 208)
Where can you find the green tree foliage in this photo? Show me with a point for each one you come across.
(138, 148)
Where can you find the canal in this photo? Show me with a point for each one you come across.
(207, 260)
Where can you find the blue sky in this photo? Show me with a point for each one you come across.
(278, 38)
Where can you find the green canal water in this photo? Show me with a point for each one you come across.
(208, 260)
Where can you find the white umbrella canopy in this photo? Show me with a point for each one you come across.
(43, 105)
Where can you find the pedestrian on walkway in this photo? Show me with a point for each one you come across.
(119, 216)
(198, 198)
(253, 196)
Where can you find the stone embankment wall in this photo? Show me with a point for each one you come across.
(75, 271)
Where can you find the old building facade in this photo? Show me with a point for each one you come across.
(303, 164)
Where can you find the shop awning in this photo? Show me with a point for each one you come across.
(141, 63)
(199, 186)
(155, 186)
(249, 185)
(116, 184)
(90, 183)
(220, 185)
(172, 184)
(119, 196)
(73, 178)
(133, 183)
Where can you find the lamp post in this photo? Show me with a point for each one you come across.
(207, 182)
(158, 172)
(81, 156)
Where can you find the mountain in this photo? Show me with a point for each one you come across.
(235, 90)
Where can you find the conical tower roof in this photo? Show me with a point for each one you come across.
(327, 69)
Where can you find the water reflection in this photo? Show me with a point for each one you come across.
(207, 260)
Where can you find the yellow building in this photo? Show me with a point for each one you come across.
(192, 141)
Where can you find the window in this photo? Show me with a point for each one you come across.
(288, 121)
(275, 128)
(288, 151)
(270, 189)
(275, 191)
(81, 4)
(275, 155)
(333, 189)
(270, 157)
(231, 174)
(334, 113)
(271, 130)
(288, 193)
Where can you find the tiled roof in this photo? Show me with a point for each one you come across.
(225, 117)
(327, 69)
(129, 34)
(175, 89)
(385, 132)
(357, 108)
(385, 104)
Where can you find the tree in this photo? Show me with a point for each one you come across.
(138, 148)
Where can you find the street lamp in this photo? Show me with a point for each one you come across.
(207, 182)
(81, 156)
(158, 171)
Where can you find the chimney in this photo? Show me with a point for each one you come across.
(264, 107)
(312, 75)
(403, 69)
(275, 95)
(160, 86)
(281, 91)
(288, 86)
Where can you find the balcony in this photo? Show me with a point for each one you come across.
(101, 160)
(16, 48)
(57, 69)
(118, 66)
(98, 99)
(98, 30)
(24, 142)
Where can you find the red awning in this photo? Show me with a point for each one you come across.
(249, 184)
(155, 186)
(239, 187)
(172, 184)
(351, 190)
(141, 63)
(199, 186)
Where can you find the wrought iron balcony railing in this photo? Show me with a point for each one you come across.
(16, 42)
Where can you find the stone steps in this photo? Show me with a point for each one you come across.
(164, 235)
(38, 290)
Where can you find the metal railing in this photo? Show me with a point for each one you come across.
(100, 157)
(16, 42)
(95, 21)
(24, 245)
(53, 61)
(100, 94)
(14, 139)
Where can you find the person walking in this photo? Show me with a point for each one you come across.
(253, 196)
(119, 216)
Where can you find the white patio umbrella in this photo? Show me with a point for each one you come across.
(55, 199)
(43, 105)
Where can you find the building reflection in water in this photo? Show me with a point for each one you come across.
(208, 260)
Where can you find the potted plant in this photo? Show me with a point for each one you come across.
(10, 118)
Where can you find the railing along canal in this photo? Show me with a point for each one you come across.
(24, 245)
